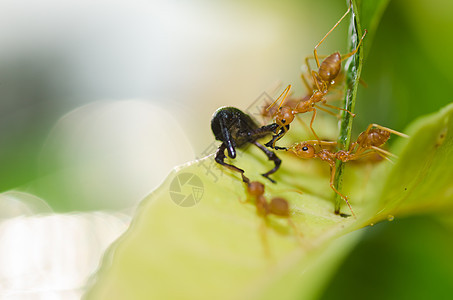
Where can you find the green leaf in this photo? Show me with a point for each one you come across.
(371, 12)
(421, 179)
(194, 238)
(220, 248)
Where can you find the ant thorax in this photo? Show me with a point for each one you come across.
(327, 156)
(343, 155)
(305, 106)
(262, 208)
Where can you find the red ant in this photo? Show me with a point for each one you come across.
(330, 67)
(276, 206)
(370, 139)
(328, 70)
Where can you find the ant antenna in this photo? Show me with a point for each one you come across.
(285, 92)
(316, 51)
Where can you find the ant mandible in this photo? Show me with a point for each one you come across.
(236, 129)
(371, 139)
(328, 71)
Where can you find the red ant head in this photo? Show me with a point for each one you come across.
(304, 150)
(255, 188)
(284, 116)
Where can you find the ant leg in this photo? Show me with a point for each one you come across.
(356, 49)
(243, 201)
(305, 82)
(311, 124)
(307, 64)
(285, 93)
(315, 51)
(263, 234)
(384, 154)
(307, 58)
(332, 179)
(296, 231)
(303, 124)
(363, 83)
(220, 159)
(383, 151)
(327, 111)
(272, 156)
(315, 75)
(339, 108)
(385, 157)
(352, 147)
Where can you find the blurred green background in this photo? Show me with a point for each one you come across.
(408, 74)
(190, 57)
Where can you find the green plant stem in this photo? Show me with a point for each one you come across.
(353, 68)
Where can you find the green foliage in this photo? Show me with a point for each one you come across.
(404, 259)
(222, 249)
(371, 12)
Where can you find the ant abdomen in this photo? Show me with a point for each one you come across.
(330, 67)
(373, 138)
(279, 207)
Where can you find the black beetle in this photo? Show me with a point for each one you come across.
(236, 129)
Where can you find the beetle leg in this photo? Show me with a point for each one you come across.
(227, 139)
(275, 138)
(220, 159)
(272, 156)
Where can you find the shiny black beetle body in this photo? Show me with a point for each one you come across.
(236, 129)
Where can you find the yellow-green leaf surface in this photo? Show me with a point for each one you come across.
(422, 179)
(220, 248)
